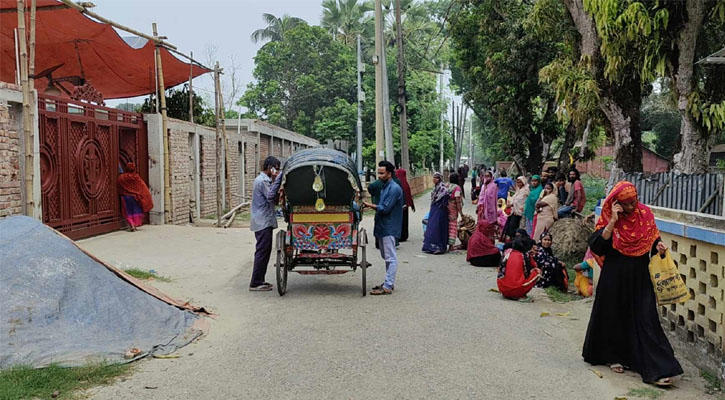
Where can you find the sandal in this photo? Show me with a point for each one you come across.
(381, 291)
(617, 368)
(664, 382)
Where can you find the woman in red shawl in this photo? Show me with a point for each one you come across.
(624, 328)
(135, 196)
(482, 251)
(401, 174)
(518, 272)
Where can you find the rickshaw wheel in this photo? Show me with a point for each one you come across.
(362, 246)
(281, 265)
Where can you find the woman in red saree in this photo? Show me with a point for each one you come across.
(518, 273)
(135, 196)
(482, 251)
(624, 328)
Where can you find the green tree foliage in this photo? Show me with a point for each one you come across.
(177, 106)
(277, 28)
(659, 115)
(345, 19)
(496, 64)
(300, 76)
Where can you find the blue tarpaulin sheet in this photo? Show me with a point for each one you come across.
(61, 306)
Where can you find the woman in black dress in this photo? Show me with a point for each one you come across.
(624, 329)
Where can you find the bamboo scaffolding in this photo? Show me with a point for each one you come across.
(84, 9)
(27, 130)
(168, 212)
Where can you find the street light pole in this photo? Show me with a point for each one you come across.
(360, 99)
(440, 93)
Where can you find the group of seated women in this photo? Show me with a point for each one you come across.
(523, 263)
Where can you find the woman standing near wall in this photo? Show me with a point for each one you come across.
(624, 329)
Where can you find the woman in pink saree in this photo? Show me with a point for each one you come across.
(487, 200)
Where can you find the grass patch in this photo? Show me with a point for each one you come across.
(561, 297)
(712, 382)
(648, 393)
(595, 188)
(243, 216)
(145, 275)
(29, 383)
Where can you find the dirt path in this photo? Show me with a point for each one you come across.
(443, 334)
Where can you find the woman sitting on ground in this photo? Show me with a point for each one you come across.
(518, 272)
(482, 251)
(553, 271)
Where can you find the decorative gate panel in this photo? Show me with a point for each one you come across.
(82, 149)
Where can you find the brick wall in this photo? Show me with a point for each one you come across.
(10, 174)
(651, 163)
(207, 181)
(420, 184)
(179, 153)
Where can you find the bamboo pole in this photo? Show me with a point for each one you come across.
(168, 213)
(217, 107)
(27, 131)
(191, 91)
(155, 38)
(225, 146)
(32, 107)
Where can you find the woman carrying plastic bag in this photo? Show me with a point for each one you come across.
(624, 329)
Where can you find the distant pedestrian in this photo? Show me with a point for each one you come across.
(504, 184)
(263, 222)
(388, 222)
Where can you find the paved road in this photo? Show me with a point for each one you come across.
(442, 334)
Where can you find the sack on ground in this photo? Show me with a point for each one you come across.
(668, 284)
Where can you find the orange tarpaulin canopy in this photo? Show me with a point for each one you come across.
(87, 49)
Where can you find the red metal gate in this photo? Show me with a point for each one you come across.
(82, 147)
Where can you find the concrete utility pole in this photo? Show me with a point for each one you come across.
(470, 142)
(440, 93)
(387, 122)
(360, 99)
(404, 157)
(379, 125)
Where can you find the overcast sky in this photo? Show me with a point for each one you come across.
(198, 25)
(194, 25)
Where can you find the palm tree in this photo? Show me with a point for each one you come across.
(345, 19)
(276, 27)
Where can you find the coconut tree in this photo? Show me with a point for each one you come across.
(345, 19)
(276, 27)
